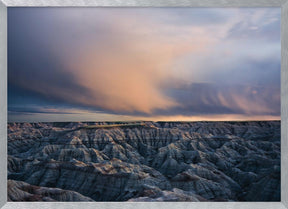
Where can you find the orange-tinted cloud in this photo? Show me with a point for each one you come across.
(128, 72)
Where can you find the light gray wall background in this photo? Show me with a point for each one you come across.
(145, 3)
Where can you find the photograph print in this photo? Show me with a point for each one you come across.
(144, 104)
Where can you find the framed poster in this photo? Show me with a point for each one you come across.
(143, 104)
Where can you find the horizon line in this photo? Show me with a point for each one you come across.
(156, 121)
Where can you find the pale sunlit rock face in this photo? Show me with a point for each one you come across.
(147, 161)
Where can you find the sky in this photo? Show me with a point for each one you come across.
(120, 64)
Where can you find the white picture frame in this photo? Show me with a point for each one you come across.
(283, 4)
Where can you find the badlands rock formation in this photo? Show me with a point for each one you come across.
(21, 191)
(144, 161)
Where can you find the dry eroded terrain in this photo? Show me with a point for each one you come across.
(144, 161)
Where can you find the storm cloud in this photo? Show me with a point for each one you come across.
(148, 62)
